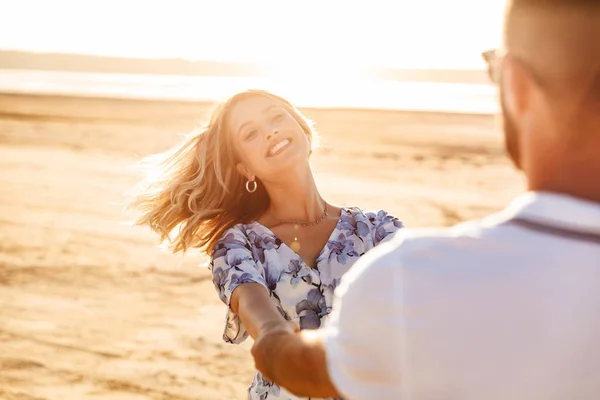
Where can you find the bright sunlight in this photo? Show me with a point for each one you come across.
(329, 37)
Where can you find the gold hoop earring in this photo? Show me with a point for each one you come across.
(253, 189)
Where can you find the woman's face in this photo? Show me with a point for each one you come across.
(267, 138)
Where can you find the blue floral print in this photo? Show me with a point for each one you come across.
(311, 309)
(252, 253)
(299, 272)
(261, 243)
(341, 248)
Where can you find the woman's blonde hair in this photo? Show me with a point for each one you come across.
(193, 193)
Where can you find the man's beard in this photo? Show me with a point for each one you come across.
(511, 141)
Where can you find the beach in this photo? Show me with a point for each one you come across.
(91, 308)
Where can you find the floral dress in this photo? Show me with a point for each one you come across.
(253, 253)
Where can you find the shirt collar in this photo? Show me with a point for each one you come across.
(554, 209)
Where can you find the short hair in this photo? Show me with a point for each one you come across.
(515, 4)
(560, 37)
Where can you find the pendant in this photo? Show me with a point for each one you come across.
(295, 246)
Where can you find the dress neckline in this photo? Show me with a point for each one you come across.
(318, 260)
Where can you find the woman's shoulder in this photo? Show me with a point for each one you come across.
(373, 216)
(235, 237)
(378, 224)
(248, 235)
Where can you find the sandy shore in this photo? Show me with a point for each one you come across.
(91, 309)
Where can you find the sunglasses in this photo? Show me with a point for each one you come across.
(492, 60)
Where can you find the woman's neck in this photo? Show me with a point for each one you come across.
(295, 199)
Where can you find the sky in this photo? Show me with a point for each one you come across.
(317, 34)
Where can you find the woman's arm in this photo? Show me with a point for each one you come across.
(241, 285)
(252, 303)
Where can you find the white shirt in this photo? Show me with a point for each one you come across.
(484, 310)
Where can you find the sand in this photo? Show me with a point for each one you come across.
(90, 308)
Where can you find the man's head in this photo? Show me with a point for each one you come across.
(548, 72)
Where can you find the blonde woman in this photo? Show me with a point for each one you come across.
(242, 190)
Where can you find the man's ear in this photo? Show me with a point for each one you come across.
(517, 84)
(242, 169)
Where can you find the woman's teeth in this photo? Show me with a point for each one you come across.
(278, 146)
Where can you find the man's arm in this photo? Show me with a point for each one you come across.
(296, 362)
(357, 354)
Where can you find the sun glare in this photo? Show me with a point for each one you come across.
(328, 39)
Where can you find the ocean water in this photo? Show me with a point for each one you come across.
(325, 93)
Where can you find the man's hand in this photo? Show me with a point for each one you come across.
(268, 347)
(294, 360)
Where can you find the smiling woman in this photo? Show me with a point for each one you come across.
(242, 189)
(198, 187)
(283, 134)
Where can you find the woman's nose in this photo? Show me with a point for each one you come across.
(272, 132)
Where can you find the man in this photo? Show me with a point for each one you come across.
(503, 308)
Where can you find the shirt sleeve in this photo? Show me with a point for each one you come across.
(232, 265)
(362, 337)
(384, 226)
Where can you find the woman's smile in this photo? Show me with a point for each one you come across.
(279, 147)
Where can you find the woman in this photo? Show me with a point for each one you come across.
(242, 189)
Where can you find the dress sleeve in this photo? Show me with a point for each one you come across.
(384, 226)
(231, 265)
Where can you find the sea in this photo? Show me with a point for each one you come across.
(332, 92)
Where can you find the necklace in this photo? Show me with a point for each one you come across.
(295, 245)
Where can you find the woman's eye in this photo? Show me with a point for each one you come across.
(251, 134)
(277, 118)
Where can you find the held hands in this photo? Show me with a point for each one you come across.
(269, 347)
(294, 360)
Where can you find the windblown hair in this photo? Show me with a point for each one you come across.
(193, 193)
